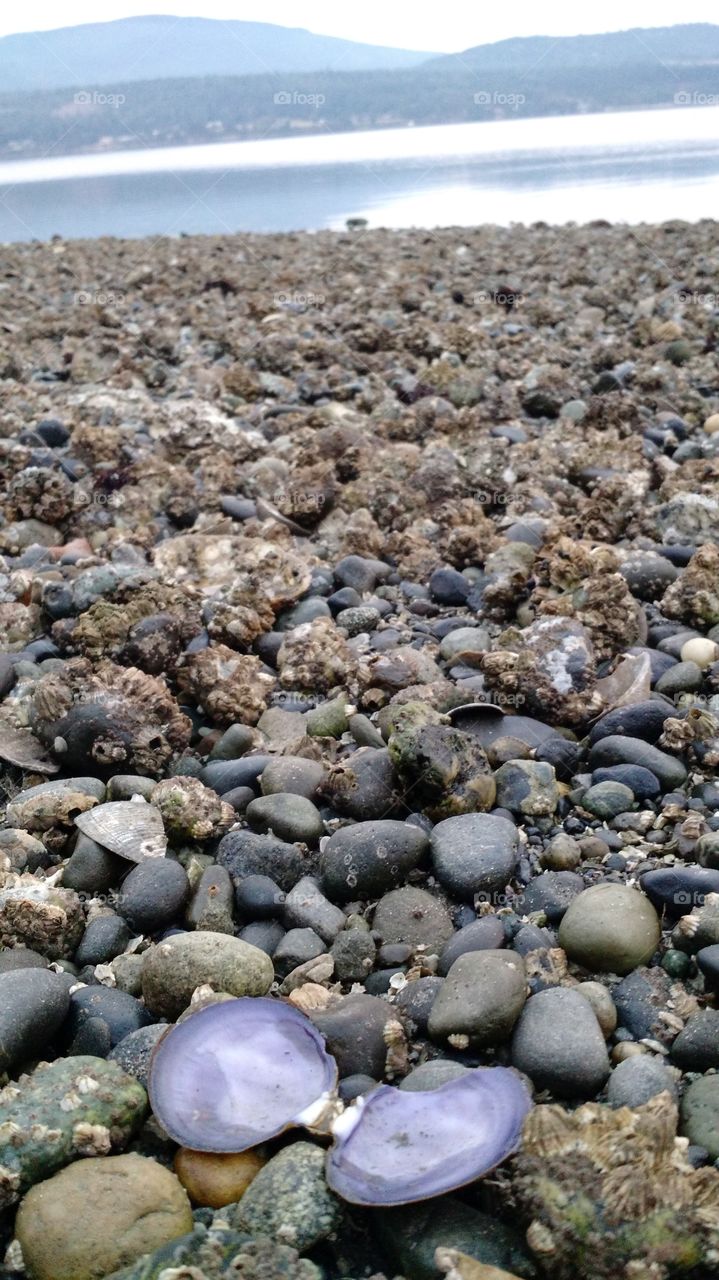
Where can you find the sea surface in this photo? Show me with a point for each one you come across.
(638, 166)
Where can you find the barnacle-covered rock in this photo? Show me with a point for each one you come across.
(109, 718)
(232, 687)
(217, 1252)
(610, 1193)
(215, 559)
(50, 809)
(579, 581)
(37, 915)
(77, 1106)
(240, 618)
(19, 624)
(694, 597)
(549, 669)
(190, 810)
(145, 627)
(316, 656)
(40, 493)
(445, 770)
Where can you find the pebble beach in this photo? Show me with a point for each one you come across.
(359, 735)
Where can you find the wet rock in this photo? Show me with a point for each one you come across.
(696, 1048)
(481, 998)
(616, 749)
(153, 895)
(474, 854)
(289, 1200)
(289, 817)
(307, 908)
(610, 928)
(354, 1030)
(413, 916)
(484, 934)
(99, 1215)
(527, 787)
(173, 968)
(134, 1051)
(33, 1006)
(558, 1043)
(105, 937)
(368, 858)
(636, 1080)
(243, 853)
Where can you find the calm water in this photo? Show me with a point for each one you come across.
(643, 166)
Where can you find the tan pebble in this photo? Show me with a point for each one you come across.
(627, 1049)
(701, 651)
(214, 1180)
(711, 426)
(602, 1004)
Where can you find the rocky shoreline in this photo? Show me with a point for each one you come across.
(359, 654)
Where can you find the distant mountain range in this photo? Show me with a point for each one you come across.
(160, 47)
(145, 82)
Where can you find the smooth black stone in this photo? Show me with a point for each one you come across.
(640, 999)
(484, 934)
(265, 934)
(354, 1086)
(679, 889)
(92, 869)
(643, 720)
(367, 859)
(643, 783)
(121, 1013)
(239, 798)
(621, 749)
(238, 508)
(41, 649)
(449, 587)
(7, 673)
(259, 898)
(226, 775)
(378, 983)
(153, 895)
(244, 853)
(551, 892)
(104, 938)
(33, 1005)
(696, 1048)
(416, 1000)
(361, 573)
(296, 947)
(532, 938)
(354, 1031)
(345, 598)
(562, 754)
(53, 432)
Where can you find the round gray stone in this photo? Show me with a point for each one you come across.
(636, 1080)
(474, 853)
(559, 1044)
(481, 997)
(365, 860)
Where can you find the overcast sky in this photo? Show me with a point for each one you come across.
(449, 25)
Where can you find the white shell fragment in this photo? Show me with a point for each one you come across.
(133, 829)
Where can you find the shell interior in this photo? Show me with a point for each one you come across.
(237, 1073)
(402, 1147)
(131, 828)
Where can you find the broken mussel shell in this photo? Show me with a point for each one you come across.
(238, 1073)
(131, 828)
(20, 747)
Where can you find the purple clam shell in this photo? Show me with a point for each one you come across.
(238, 1073)
(399, 1147)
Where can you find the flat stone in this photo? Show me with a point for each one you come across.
(306, 907)
(288, 816)
(617, 749)
(414, 916)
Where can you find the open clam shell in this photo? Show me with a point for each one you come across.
(238, 1073)
(20, 747)
(393, 1147)
(131, 828)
